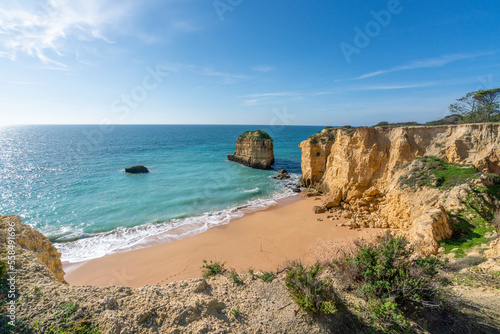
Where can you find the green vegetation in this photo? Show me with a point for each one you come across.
(328, 134)
(392, 282)
(308, 291)
(235, 312)
(267, 276)
(471, 224)
(212, 268)
(478, 106)
(3, 269)
(436, 173)
(67, 309)
(477, 278)
(65, 324)
(236, 279)
(257, 134)
(69, 328)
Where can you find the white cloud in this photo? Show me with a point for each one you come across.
(424, 63)
(267, 98)
(44, 28)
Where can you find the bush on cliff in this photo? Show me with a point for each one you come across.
(257, 134)
(309, 292)
(391, 280)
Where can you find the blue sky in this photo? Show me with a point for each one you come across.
(304, 62)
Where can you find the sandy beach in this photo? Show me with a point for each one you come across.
(263, 240)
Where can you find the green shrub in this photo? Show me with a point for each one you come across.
(309, 292)
(386, 274)
(212, 268)
(234, 275)
(67, 309)
(388, 316)
(267, 276)
(313, 139)
(257, 134)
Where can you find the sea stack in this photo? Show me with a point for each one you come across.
(254, 149)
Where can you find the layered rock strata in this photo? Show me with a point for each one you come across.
(254, 149)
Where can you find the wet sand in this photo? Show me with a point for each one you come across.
(263, 240)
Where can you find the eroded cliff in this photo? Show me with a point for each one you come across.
(254, 149)
(364, 171)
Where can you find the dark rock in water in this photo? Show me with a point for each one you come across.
(282, 175)
(296, 190)
(137, 170)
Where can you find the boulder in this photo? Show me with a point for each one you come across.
(319, 209)
(333, 198)
(282, 175)
(136, 170)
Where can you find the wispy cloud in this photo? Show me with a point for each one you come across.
(221, 77)
(264, 98)
(425, 63)
(271, 94)
(262, 68)
(44, 28)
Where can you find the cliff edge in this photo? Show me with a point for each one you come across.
(366, 171)
(254, 149)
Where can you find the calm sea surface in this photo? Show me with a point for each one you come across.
(68, 181)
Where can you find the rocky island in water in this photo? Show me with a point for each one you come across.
(254, 149)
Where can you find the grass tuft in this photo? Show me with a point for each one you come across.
(266, 276)
(212, 268)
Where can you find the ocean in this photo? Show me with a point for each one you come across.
(68, 181)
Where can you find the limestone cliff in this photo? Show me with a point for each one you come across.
(32, 240)
(254, 149)
(362, 170)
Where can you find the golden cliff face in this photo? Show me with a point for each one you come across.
(361, 171)
(28, 238)
(254, 149)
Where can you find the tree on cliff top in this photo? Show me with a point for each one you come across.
(479, 106)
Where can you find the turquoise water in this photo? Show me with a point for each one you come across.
(68, 181)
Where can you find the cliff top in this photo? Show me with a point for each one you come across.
(257, 134)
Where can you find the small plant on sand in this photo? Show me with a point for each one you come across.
(308, 291)
(212, 268)
(267, 276)
(235, 312)
(234, 275)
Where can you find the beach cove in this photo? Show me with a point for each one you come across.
(266, 240)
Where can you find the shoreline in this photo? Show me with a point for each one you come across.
(127, 239)
(263, 240)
